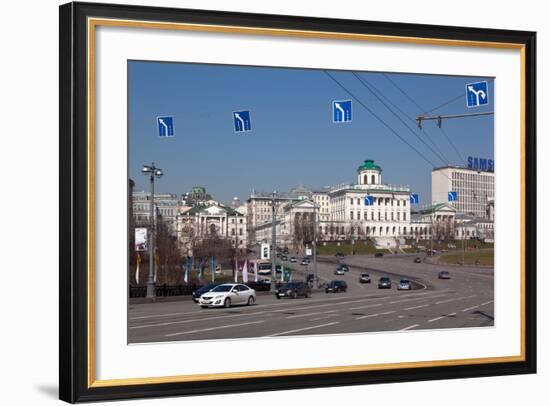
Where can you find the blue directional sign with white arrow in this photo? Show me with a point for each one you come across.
(341, 111)
(477, 94)
(453, 196)
(241, 120)
(369, 200)
(414, 198)
(166, 126)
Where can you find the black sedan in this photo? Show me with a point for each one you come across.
(384, 283)
(203, 289)
(293, 290)
(336, 287)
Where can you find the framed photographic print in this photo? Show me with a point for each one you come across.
(257, 202)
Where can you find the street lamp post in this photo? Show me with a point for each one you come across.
(273, 242)
(153, 172)
(315, 244)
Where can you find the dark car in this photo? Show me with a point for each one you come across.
(344, 267)
(305, 261)
(444, 275)
(384, 283)
(417, 260)
(203, 289)
(404, 284)
(284, 258)
(364, 278)
(293, 290)
(277, 268)
(378, 254)
(336, 287)
(339, 254)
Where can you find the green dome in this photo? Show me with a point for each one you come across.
(369, 164)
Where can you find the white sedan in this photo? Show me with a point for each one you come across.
(228, 294)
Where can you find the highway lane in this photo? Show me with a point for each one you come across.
(466, 300)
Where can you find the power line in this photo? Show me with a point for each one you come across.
(422, 109)
(440, 153)
(401, 120)
(453, 145)
(446, 103)
(379, 118)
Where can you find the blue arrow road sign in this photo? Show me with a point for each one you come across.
(414, 198)
(452, 196)
(369, 200)
(166, 126)
(241, 121)
(477, 94)
(341, 111)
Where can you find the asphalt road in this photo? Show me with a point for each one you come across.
(466, 300)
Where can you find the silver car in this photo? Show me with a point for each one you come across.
(404, 284)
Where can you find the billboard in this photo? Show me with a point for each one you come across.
(140, 240)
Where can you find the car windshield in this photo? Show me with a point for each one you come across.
(222, 288)
(404, 281)
(288, 286)
(384, 279)
(365, 275)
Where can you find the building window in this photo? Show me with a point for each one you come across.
(372, 181)
(351, 215)
(404, 216)
(365, 181)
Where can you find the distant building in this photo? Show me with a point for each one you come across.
(475, 190)
(166, 209)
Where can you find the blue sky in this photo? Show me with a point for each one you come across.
(293, 139)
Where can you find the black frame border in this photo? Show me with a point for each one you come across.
(73, 196)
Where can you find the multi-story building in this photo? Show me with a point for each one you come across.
(475, 190)
(166, 209)
(321, 198)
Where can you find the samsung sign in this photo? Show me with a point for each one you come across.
(481, 164)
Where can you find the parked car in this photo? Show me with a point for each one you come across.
(384, 283)
(378, 254)
(344, 267)
(339, 271)
(404, 284)
(293, 290)
(284, 258)
(227, 295)
(336, 287)
(364, 278)
(417, 260)
(339, 254)
(292, 259)
(444, 275)
(203, 289)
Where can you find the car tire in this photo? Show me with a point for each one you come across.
(227, 302)
(308, 295)
(278, 297)
(250, 301)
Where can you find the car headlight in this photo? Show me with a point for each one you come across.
(218, 297)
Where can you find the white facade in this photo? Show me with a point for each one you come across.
(475, 190)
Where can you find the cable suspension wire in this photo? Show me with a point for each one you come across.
(453, 146)
(445, 104)
(440, 153)
(379, 118)
(446, 162)
(426, 112)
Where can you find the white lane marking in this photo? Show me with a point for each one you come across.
(374, 315)
(366, 306)
(213, 328)
(416, 307)
(328, 316)
(303, 329)
(441, 317)
(410, 327)
(169, 323)
(486, 303)
(415, 299)
(455, 299)
(310, 314)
